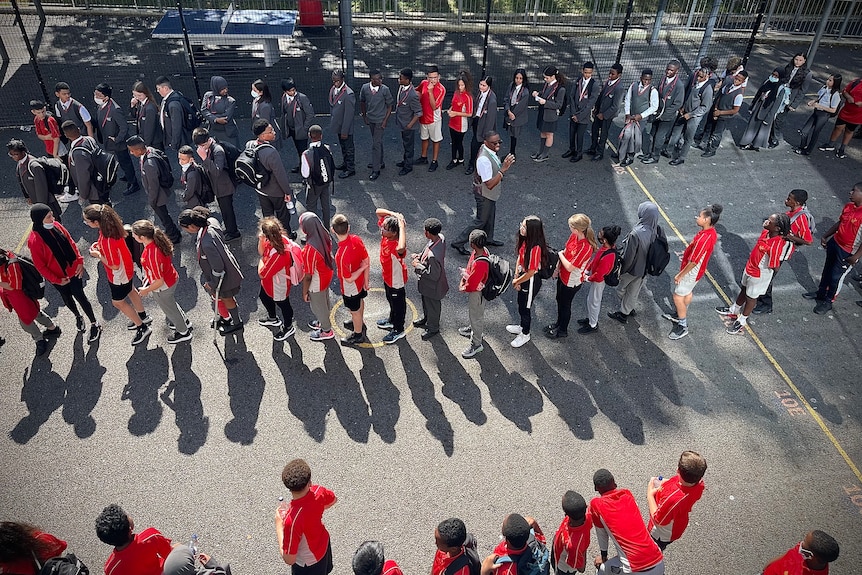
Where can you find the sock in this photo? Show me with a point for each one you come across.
(683, 322)
(142, 315)
(841, 149)
(222, 310)
(743, 319)
(541, 146)
(234, 315)
(735, 309)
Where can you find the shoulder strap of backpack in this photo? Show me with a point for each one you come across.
(459, 563)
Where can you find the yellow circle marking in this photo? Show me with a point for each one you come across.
(408, 326)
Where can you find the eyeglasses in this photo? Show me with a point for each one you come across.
(805, 552)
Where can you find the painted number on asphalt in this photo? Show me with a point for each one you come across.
(854, 492)
(789, 403)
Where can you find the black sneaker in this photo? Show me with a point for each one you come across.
(432, 167)
(384, 324)
(41, 347)
(584, 321)
(95, 333)
(146, 320)
(285, 333)
(178, 337)
(53, 332)
(587, 329)
(761, 308)
(678, 332)
(269, 321)
(670, 317)
(420, 161)
(619, 316)
(141, 334)
(80, 325)
(736, 328)
(230, 327)
(353, 339)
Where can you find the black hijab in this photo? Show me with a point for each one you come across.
(56, 240)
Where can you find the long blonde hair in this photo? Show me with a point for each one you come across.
(583, 224)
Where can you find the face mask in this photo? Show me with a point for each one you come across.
(255, 95)
(773, 79)
(98, 101)
(48, 226)
(185, 167)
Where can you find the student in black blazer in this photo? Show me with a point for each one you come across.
(484, 119)
(582, 100)
(515, 107)
(608, 105)
(551, 100)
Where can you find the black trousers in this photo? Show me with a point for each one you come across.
(408, 140)
(348, 152)
(600, 134)
(397, 298)
(225, 206)
(171, 229)
(475, 144)
(811, 130)
(526, 313)
(486, 213)
(576, 137)
(125, 161)
(275, 206)
(457, 144)
(74, 290)
(431, 312)
(834, 270)
(284, 305)
(565, 296)
(301, 144)
(660, 131)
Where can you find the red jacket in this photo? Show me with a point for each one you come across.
(45, 261)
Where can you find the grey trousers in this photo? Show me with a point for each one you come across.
(476, 308)
(629, 290)
(431, 309)
(166, 300)
(376, 146)
(594, 302)
(33, 329)
(318, 201)
(320, 306)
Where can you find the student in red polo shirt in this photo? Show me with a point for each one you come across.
(571, 273)
(811, 556)
(569, 549)
(431, 93)
(393, 248)
(615, 514)
(849, 118)
(302, 537)
(352, 263)
(141, 553)
(451, 558)
(843, 243)
(47, 129)
(762, 263)
(473, 280)
(21, 543)
(369, 560)
(515, 553)
(670, 501)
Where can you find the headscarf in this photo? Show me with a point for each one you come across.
(317, 237)
(645, 229)
(217, 84)
(56, 240)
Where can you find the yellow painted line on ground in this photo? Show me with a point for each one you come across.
(23, 239)
(769, 357)
(336, 327)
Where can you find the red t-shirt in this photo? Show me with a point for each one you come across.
(430, 100)
(476, 273)
(461, 102)
(799, 227)
(765, 255)
(116, 252)
(849, 224)
(616, 514)
(699, 250)
(600, 265)
(145, 555)
(851, 112)
(314, 264)
(25, 566)
(349, 257)
(578, 252)
(535, 258)
(674, 502)
(275, 272)
(392, 263)
(503, 549)
(157, 265)
(304, 533)
(52, 129)
(792, 563)
(390, 567)
(442, 561)
(570, 545)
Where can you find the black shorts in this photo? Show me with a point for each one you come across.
(352, 302)
(322, 567)
(847, 125)
(120, 292)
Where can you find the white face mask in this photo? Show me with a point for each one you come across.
(185, 167)
(255, 95)
(48, 226)
(98, 101)
(773, 79)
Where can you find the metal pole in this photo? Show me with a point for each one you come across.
(626, 23)
(487, 29)
(662, 5)
(346, 19)
(460, 11)
(613, 15)
(710, 26)
(760, 11)
(536, 12)
(30, 51)
(691, 15)
(769, 17)
(821, 28)
(850, 10)
(189, 49)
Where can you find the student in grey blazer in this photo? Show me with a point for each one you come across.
(430, 267)
(408, 112)
(157, 196)
(582, 100)
(276, 193)
(113, 132)
(81, 165)
(515, 107)
(375, 106)
(214, 163)
(698, 102)
(342, 111)
(484, 119)
(32, 178)
(171, 117)
(146, 114)
(608, 105)
(262, 107)
(297, 116)
(192, 178)
(671, 92)
(218, 109)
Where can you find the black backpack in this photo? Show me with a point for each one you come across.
(191, 115)
(56, 173)
(499, 277)
(658, 254)
(32, 282)
(612, 278)
(322, 166)
(231, 155)
(470, 557)
(166, 176)
(248, 168)
(550, 260)
(105, 166)
(67, 564)
(207, 194)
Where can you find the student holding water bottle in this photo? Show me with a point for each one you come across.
(671, 500)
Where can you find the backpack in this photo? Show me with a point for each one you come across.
(658, 254)
(297, 268)
(535, 560)
(470, 557)
(657, 114)
(499, 277)
(549, 263)
(612, 278)
(207, 194)
(191, 115)
(322, 166)
(105, 166)
(56, 173)
(166, 176)
(67, 564)
(248, 169)
(32, 282)
(231, 154)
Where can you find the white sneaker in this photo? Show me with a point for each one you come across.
(521, 339)
(514, 329)
(68, 198)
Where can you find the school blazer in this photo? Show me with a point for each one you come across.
(34, 182)
(278, 185)
(610, 102)
(216, 260)
(342, 110)
(149, 127)
(554, 102)
(156, 194)
(432, 276)
(215, 107)
(407, 106)
(192, 185)
(113, 128)
(81, 168)
(175, 135)
(302, 114)
(488, 120)
(581, 108)
(518, 108)
(215, 166)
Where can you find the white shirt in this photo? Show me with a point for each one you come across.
(482, 96)
(653, 101)
(162, 109)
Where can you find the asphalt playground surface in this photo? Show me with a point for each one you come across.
(192, 438)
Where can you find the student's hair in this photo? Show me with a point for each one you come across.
(70, 127)
(691, 466)
(61, 86)
(37, 104)
(516, 531)
(478, 238)
(187, 150)
(824, 546)
(464, 76)
(713, 212)
(588, 65)
(488, 80)
(743, 73)
(618, 67)
(113, 526)
(200, 135)
(135, 142)
(858, 186)
(611, 233)
(340, 224)
(433, 226)
(574, 505)
(4, 261)
(525, 84)
(799, 195)
(603, 480)
(263, 88)
(163, 81)
(709, 62)
(489, 134)
(287, 84)
(647, 71)
(110, 222)
(582, 222)
(452, 531)
(316, 131)
(407, 73)
(142, 88)
(390, 224)
(432, 69)
(783, 223)
(18, 541)
(104, 89)
(674, 62)
(259, 127)
(272, 230)
(16, 145)
(803, 54)
(733, 63)
(374, 72)
(836, 83)
(196, 216)
(146, 229)
(296, 475)
(339, 73)
(369, 559)
(535, 236)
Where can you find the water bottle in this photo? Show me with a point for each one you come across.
(193, 545)
(656, 483)
(283, 507)
(291, 207)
